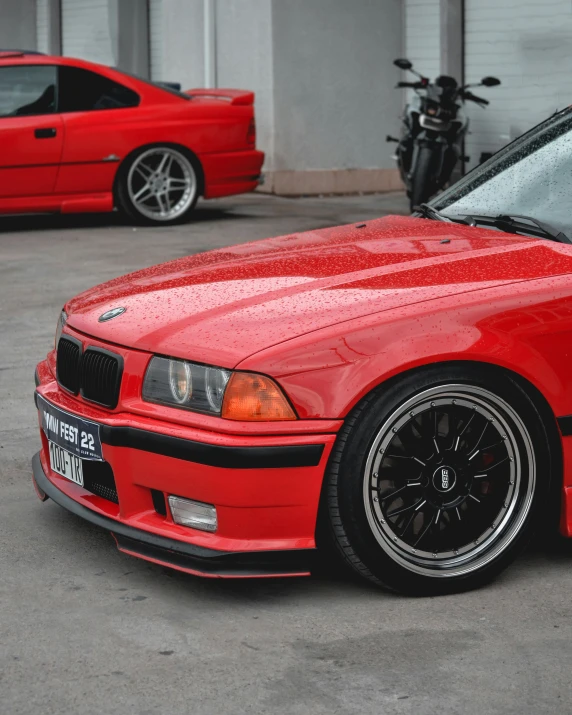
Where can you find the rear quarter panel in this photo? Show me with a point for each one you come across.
(204, 127)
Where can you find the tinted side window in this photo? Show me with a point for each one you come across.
(83, 91)
(27, 90)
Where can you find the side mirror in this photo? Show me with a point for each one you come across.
(403, 64)
(490, 81)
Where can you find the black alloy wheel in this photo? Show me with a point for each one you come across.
(433, 485)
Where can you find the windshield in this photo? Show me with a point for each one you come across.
(532, 177)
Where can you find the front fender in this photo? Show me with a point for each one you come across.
(528, 331)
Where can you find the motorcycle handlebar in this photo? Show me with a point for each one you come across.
(464, 93)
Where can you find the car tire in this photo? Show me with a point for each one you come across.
(159, 185)
(460, 518)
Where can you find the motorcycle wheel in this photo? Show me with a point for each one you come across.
(423, 184)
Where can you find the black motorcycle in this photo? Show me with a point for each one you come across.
(434, 125)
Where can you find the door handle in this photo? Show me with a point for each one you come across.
(45, 133)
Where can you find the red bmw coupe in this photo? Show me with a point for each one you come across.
(77, 137)
(398, 391)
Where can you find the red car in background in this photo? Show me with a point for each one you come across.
(81, 137)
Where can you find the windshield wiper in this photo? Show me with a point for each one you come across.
(429, 212)
(513, 223)
(518, 224)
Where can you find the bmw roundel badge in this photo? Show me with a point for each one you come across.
(110, 314)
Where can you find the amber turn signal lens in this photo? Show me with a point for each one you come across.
(250, 397)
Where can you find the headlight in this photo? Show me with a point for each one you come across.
(180, 381)
(184, 384)
(233, 395)
(60, 326)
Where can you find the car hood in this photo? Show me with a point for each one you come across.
(225, 305)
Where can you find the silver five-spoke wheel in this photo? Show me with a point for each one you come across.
(159, 185)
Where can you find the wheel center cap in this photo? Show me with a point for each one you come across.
(444, 479)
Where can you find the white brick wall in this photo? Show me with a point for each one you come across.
(528, 45)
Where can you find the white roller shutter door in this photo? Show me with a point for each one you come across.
(528, 45)
(156, 39)
(422, 36)
(42, 27)
(86, 31)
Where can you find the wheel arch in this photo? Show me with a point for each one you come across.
(494, 369)
(193, 158)
(360, 358)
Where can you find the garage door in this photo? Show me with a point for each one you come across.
(156, 39)
(528, 45)
(42, 27)
(86, 30)
(422, 36)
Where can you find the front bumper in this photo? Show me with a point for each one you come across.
(266, 490)
(182, 556)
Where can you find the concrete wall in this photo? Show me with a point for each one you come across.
(334, 97)
(245, 59)
(182, 51)
(18, 24)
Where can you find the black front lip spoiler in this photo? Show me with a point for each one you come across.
(178, 554)
(212, 455)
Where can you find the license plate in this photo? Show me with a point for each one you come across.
(66, 464)
(73, 434)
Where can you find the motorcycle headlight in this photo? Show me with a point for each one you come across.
(240, 396)
(184, 384)
(60, 326)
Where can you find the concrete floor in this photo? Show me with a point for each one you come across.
(85, 629)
